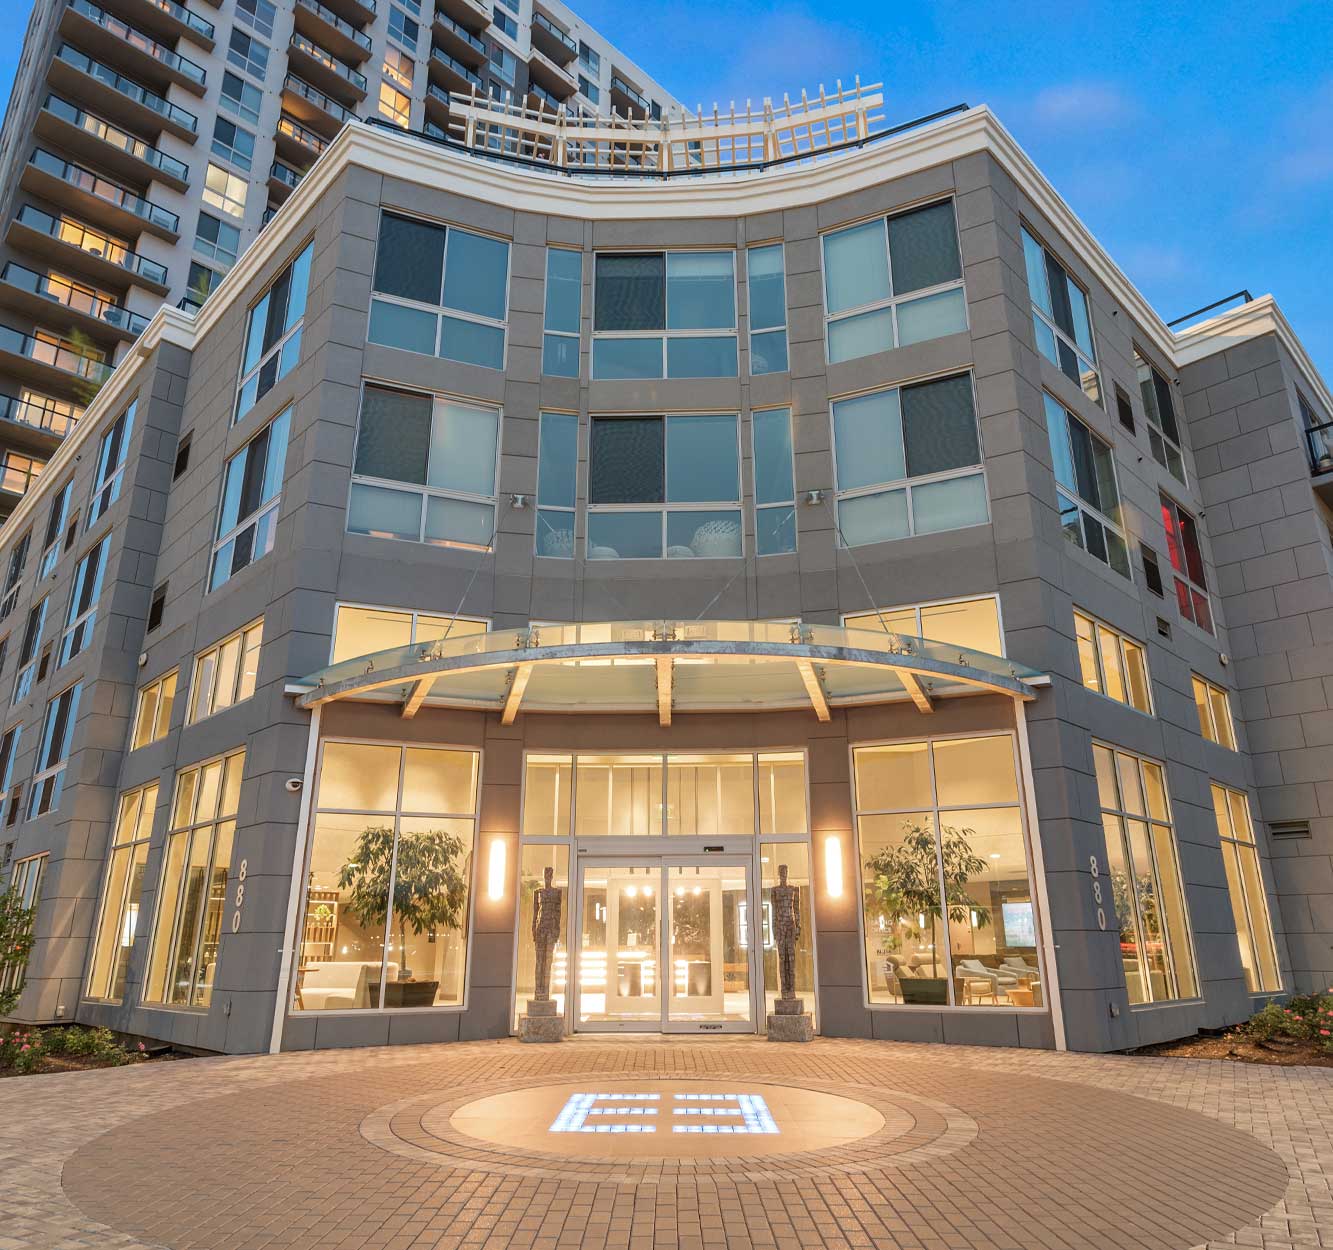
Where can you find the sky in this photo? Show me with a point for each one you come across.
(1194, 139)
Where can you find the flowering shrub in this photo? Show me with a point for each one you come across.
(87, 1043)
(1306, 1018)
(22, 1051)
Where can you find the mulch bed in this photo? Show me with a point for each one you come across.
(88, 1063)
(1278, 1052)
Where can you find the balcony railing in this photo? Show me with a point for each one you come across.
(144, 43)
(128, 87)
(117, 138)
(341, 25)
(105, 189)
(329, 61)
(620, 85)
(57, 290)
(457, 66)
(443, 19)
(39, 414)
(545, 23)
(298, 86)
(185, 17)
(86, 239)
(553, 102)
(289, 126)
(281, 172)
(57, 352)
(1319, 441)
(18, 473)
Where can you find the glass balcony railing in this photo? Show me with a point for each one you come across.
(94, 242)
(77, 299)
(553, 102)
(329, 61)
(289, 126)
(49, 349)
(1319, 442)
(339, 24)
(143, 43)
(281, 172)
(457, 66)
(545, 23)
(39, 413)
(128, 87)
(105, 189)
(620, 85)
(298, 86)
(443, 19)
(184, 16)
(117, 138)
(18, 472)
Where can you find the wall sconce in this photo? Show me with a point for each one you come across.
(495, 870)
(518, 502)
(833, 865)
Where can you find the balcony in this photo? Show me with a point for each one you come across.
(117, 97)
(452, 74)
(541, 99)
(1319, 444)
(313, 108)
(325, 71)
(545, 73)
(283, 180)
(18, 473)
(106, 35)
(471, 13)
(70, 129)
(358, 12)
(100, 199)
(166, 19)
(297, 143)
(50, 360)
(71, 244)
(458, 41)
(321, 24)
(626, 100)
(553, 40)
(90, 312)
(36, 422)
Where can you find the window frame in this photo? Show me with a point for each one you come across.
(9, 752)
(47, 785)
(55, 521)
(920, 606)
(779, 246)
(152, 712)
(1086, 509)
(414, 613)
(224, 200)
(76, 633)
(237, 105)
(1209, 729)
(209, 691)
(1240, 844)
(1185, 585)
(108, 477)
(265, 509)
(570, 510)
(134, 850)
(30, 646)
(773, 505)
(1048, 320)
(1122, 642)
(18, 563)
(251, 379)
(1160, 443)
(576, 335)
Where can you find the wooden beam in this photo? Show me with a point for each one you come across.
(916, 690)
(814, 688)
(417, 696)
(665, 674)
(517, 685)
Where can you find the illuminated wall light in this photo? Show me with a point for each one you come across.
(495, 870)
(833, 865)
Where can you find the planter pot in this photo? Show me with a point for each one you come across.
(925, 990)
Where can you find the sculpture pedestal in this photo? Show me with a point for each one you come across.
(790, 1022)
(542, 1023)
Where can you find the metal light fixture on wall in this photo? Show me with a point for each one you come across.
(833, 865)
(495, 870)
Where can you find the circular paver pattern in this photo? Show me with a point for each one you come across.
(968, 1155)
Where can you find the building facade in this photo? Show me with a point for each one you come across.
(148, 141)
(852, 515)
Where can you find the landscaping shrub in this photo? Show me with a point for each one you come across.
(1305, 1018)
(22, 1051)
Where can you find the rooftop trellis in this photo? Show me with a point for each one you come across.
(754, 136)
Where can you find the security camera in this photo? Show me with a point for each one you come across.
(294, 785)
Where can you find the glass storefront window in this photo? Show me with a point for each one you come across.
(947, 900)
(389, 879)
(361, 630)
(972, 623)
(118, 921)
(1245, 885)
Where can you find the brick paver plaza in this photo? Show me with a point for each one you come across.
(849, 1144)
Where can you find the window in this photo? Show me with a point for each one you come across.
(82, 613)
(1214, 709)
(247, 53)
(111, 453)
(768, 309)
(774, 484)
(589, 90)
(689, 295)
(1060, 318)
(55, 529)
(505, 23)
(971, 623)
(1182, 545)
(155, 607)
(388, 882)
(235, 145)
(403, 28)
(1112, 663)
(1155, 943)
(359, 631)
(1124, 409)
(152, 712)
(53, 751)
(425, 470)
(664, 486)
(19, 472)
(118, 915)
(557, 469)
(18, 559)
(441, 291)
(1152, 574)
(398, 68)
(242, 98)
(869, 270)
(1245, 885)
(224, 190)
(25, 882)
(225, 674)
(27, 659)
(258, 13)
(1086, 493)
(946, 811)
(9, 750)
(251, 490)
(395, 106)
(182, 461)
(908, 461)
(200, 282)
(192, 899)
(589, 58)
(1159, 406)
(564, 294)
(273, 333)
(217, 240)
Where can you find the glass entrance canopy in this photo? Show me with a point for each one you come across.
(666, 667)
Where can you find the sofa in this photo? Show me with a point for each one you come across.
(341, 985)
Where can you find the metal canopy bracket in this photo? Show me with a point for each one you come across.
(814, 688)
(916, 689)
(416, 697)
(666, 671)
(518, 683)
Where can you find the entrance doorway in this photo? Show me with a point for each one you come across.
(666, 944)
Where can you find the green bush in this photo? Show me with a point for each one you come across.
(22, 1051)
(86, 1043)
(1306, 1018)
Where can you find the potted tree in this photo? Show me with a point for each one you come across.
(429, 894)
(905, 886)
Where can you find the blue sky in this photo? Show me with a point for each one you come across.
(1195, 140)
